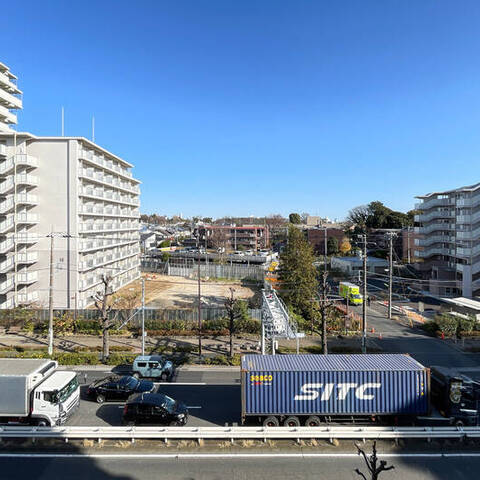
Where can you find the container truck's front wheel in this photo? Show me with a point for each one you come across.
(271, 422)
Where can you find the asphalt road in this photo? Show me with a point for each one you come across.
(219, 468)
(212, 396)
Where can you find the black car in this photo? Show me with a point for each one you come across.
(154, 409)
(118, 388)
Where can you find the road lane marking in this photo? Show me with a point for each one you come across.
(207, 456)
(179, 383)
(188, 406)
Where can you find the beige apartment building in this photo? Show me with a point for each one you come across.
(73, 189)
(449, 227)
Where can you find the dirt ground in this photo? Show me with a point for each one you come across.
(164, 291)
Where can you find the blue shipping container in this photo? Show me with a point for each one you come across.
(370, 384)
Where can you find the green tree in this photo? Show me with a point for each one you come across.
(298, 275)
(165, 243)
(332, 246)
(294, 218)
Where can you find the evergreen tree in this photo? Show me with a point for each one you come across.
(298, 276)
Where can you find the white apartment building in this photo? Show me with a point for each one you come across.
(82, 193)
(10, 99)
(450, 243)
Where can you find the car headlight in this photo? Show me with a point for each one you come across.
(181, 415)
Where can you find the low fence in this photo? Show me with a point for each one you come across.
(165, 314)
(237, 433)
(212, 270)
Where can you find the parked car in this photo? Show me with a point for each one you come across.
(154, 409)
(152, 366)
(118, 388)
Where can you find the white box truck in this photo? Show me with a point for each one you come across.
(34, 392)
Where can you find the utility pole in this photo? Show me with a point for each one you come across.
(408, 245)
(390, 274)
(364, 305)
(143, 316)
(324, 304)
(199, 312)
(230, 306)
(50, 299)
(326, 248)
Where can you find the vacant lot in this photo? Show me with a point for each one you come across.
(164, 291)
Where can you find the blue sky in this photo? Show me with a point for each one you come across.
(255, 107)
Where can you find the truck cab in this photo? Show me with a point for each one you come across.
(56, 399)
(351, 293)
(456, 396)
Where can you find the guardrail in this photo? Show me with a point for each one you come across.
(233, 433)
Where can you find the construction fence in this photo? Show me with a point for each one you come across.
(211, 270)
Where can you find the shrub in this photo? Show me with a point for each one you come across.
(430, 327)
(120, 358)
(223, 360)
(447, 324)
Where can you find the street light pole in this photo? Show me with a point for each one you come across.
(143, 316)
(50, 300)
(326, 248)
(364, 310)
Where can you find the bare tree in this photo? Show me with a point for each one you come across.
(371, 463)
(230, 306)
(220, 240)
(105, 307)
(358, 216)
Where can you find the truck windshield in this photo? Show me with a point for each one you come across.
(356, 295)
(66, 391)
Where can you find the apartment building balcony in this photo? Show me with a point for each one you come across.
(426, 217)
(472, 218)
(102, 179)
(106, 259)
(6, 286)
(107, 227)
(26, 258)
(7, 246)
(432, 227)
(102, 211)
(26, 278)
(3, 148)
(27, 179)
(6, 206)
(92, 245)
(24, 238)
(430, 240)
(27, 297)
(7, 265)
(9, 100)
(27, 218)
(7, 304)
(8, 85)
(98, 161)
(7, 225)
(469, 202)
(468, 234)
(6, 116)
(7, 186)
(25, 160)
(27, 199)
(434, 202)
(429, 252)
(468, 251)
(99, 194)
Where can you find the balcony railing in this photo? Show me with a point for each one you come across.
(110, 181)
(27, 277)
(6, 286)
(27, 218)
(27, 257)
(26, 238)
(7, 245)
(26, 179)
(6, 205)
(7, 265)
(3, 150)
(27, 199)
(109, 196)
(106, 164)
(7, 225)
(27, 297)
(9, 100)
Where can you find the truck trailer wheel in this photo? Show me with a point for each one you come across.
(42, 423)
(313, 421)
(291, 422)
(271, 422)
(100, 398)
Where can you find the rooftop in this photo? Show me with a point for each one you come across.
(469, 188)
(22, 366)
(370, 362)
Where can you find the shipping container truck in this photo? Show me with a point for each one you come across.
(295, 390)
(34, 392)
(350, 292)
